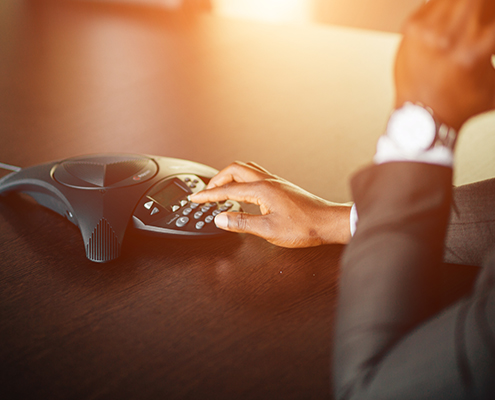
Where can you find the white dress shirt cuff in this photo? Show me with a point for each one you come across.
(387, 151)
(353, 219)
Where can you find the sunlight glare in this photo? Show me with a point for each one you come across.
(265, 10)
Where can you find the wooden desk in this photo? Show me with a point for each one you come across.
(230, 319)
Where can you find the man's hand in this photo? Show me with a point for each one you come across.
(290, 216)
(445, 59)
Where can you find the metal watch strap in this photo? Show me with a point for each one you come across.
(445, 135)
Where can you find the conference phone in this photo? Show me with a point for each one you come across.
(103, 194)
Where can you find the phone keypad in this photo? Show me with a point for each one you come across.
(183, 215)
(205, 215)
(186, 215)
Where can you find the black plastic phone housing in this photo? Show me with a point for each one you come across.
(103, 193)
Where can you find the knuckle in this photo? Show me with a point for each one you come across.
(415, 27)
(436, 42)
(273, 184)
(411, 27)
(270, 227)
(440, 42)
(466, 62)
(258, 186)
(237, 165)
(241, 222)
(469, 59)
(256, 166)
(428, 36)
(222, 192)
(265, 186)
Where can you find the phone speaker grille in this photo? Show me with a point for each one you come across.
(103, 245)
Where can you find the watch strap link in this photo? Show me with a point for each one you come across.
(445, 135)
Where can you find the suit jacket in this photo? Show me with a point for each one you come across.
(392, 340)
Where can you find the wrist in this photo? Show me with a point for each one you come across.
(447, 114)
(334, 227)
(415, 134)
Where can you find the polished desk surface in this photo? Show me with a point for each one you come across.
(221, 319)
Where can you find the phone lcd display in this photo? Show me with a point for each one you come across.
(169, 194)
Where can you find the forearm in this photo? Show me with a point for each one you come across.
(386, 346)
(389, 270)
(471, 229)
(334, 224)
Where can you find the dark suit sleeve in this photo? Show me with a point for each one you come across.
(392, 341)
(471, 229)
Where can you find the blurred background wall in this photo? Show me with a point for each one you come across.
(383, 15)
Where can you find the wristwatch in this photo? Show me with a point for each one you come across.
(414, 129)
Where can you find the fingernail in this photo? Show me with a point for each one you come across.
(222, 221)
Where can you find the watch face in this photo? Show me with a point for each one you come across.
(412, 128)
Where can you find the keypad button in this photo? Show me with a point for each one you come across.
(182, 221)
(215, 213)
(205, 208)
(228, 204)
(183, 202)
(187, 211)
(209, 218)
(175, 207)
(198, 215)
(148, 205)
(200, 224)
(223, 208)
(194, 205)
(155, 210)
